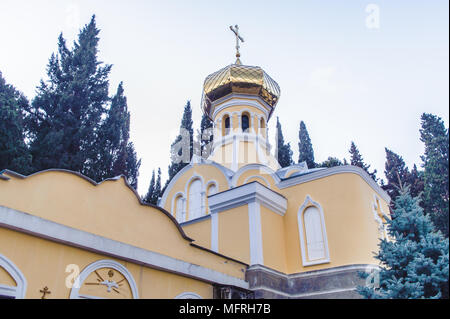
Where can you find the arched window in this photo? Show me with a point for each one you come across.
(226, 125)
(179, 209)
(16, 286)
(104, 279)
(312, 233)
(245, 123)
(212, 189)
(195, 199)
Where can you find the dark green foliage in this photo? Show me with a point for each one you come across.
(330, 162)
(132, 165)
(148, 198)
(283, 151)
(435, 162)
(306, 152)
(357, 160)
(68, 108)
(414, 261)
(14, 154)
(74, 124)
(182, 147)
(113, 136)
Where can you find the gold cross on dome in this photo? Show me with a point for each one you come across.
(238, 38)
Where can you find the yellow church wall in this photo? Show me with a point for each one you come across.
(234, 233)
(351, 230)
(274, 247)
(200, 232)
(109, 210)
(43, 264)
(260, 173)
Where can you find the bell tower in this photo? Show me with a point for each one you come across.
(240, 100)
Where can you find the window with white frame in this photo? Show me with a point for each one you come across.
(312, 233)
(179, 209)
(195, 199)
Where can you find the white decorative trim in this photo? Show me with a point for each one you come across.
(303, 245)
(255, 234)
(212, 182)
(188, 295)
(183, 209)
(240, 100)
(245, 194)
(20, 289)
(214, 231)
(234, 164)
(332, 171)
(106, 263)
(381, 226)
(42, 228)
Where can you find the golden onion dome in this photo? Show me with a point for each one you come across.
(243, 79)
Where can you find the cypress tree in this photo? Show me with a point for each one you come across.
(183, 146)
(14, 153)
(305, 149)
(283, 151)
(356, 159)
(132, 165)
(396, 173)
(435, 162)
(112, 137)
(157, 193)
(414, 260)
(68, 108)
(154, 189)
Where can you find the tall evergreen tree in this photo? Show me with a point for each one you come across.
(148, 198)
(435, 162)
(305, 149)
(283, 151)
(132, 165)
(154, 189)
(398, 175)
(157, 188)
(182, 147)
(414, 260)
(68, 108)
(113, 136)
(356, 159)
(14, 153)
(415, 181)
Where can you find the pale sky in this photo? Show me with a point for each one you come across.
(345, 73)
